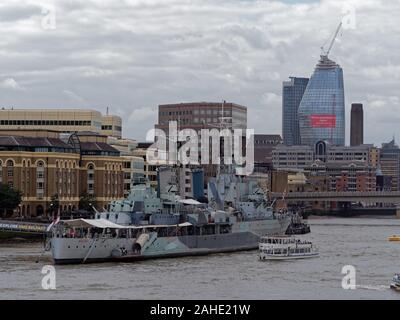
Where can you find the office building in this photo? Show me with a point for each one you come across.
(292, 93)
(390, 163)
(63, 120)
(300, 157)
(150, 170)
(202, 115)
(264, 144)
(292, 157)
(322, 108)
(343, 176)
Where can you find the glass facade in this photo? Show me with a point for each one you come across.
(292, 93)
(322, 109)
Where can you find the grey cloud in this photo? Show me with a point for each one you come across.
(16, 12)
(133, 55)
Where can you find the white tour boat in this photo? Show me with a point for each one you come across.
(395, 285)
(285, 248)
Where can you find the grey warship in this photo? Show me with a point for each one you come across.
(147, 225)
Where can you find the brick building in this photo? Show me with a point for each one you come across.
(45, 163)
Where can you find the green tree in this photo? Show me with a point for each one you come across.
(87, 202)
(10, 199)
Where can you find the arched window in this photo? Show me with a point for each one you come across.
(10, 168)
(40, 163)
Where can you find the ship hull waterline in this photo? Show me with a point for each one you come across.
(78, 251)
(136, 258)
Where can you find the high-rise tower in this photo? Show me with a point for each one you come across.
(322, 109)
(357, 125)
(292, 93)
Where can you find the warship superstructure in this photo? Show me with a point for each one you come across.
(148, 225)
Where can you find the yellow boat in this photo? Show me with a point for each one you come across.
(394, 238)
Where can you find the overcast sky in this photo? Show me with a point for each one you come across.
(133, 55)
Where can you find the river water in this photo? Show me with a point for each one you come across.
(361, 242)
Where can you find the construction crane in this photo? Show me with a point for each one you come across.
(326, 53)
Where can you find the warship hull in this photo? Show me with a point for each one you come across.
(244, 236)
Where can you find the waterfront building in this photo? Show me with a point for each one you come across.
(133, 170)
(296, 182)
(264, 144)
(292, 93)
(292, 157)
(150, 170)
(134, 166)
(366, 153)
(342, 168)
(383, 183)
(390, 162)
(63, 120)
(45, 163)
(374, 156)
(357, 125)
(322, 109)
(345, 176)
(124, 146)
(299, 157)
(278, 181)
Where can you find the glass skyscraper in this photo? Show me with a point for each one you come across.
(292, 93)
(322, 109)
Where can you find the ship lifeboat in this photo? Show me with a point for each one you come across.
(140, 242)
(394, 238)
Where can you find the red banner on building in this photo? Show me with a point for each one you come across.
(323, 121)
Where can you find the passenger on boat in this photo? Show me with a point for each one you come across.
(71, 233)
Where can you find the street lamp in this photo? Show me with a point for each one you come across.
(52, 211)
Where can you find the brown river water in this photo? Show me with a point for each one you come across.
(361, 242)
